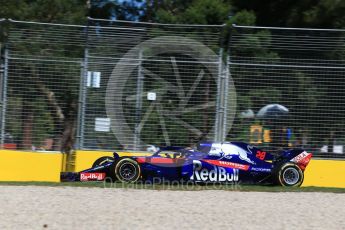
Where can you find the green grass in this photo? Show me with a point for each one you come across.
(178, 187)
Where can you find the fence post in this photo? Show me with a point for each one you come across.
(220, 106)
(139, 102)
(225, 95)
(82, 101)
(82, 93)
(4, 95)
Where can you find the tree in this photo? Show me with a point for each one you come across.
(60, 104)
(296, 13)
(115, 9)
(59, 11)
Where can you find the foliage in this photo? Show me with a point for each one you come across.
(59, 11)
(292, 13)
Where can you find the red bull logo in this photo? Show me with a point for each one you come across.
(217, 174)
(92, 176)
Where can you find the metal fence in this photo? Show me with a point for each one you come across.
(153, 79)
(42, 69)
(301, 69)
(129, 85)
(111, 85)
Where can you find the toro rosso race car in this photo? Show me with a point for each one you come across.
(214, 162)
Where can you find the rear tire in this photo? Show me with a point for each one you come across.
(127, 170)
(289, 174)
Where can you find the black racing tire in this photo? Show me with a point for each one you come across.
(102, 160)
(289, 174)
(127, 170)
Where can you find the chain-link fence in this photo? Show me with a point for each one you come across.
(112, 85)
(129, 85)
(42, 69)
(159, 83)
(300, 69)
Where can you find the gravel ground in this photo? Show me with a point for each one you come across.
(36, 207)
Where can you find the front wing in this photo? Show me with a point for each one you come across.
(82, 176)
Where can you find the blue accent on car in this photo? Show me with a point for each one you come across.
(227, 162)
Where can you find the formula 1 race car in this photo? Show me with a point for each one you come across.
(208, 162)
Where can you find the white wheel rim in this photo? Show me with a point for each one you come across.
(127, 171)
(291, 176)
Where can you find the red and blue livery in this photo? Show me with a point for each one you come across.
(208, 162)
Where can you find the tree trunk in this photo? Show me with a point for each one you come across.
(54, 108)
(68, 136)
(27, 125)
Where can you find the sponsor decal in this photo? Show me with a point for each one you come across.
(217, 174)
(302, 159)
(216, 150)
(250, 148)
(92, 176)
(260, 169)
(228, 164)
(261, 155)
(228, 150)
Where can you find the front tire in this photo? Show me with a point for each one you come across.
(102, 160)
(289, 174)
(127, 170)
